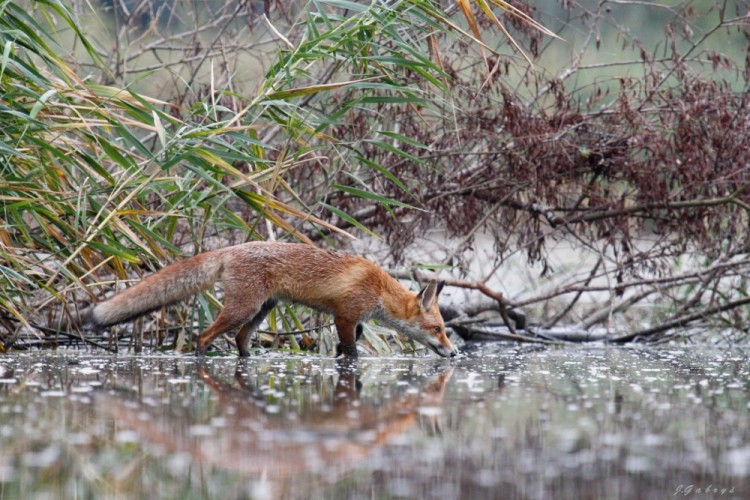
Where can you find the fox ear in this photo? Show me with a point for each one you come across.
(440, 286)
(428, 295)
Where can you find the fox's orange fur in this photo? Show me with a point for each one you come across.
(256, 275)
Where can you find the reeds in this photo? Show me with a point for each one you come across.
(102, 183)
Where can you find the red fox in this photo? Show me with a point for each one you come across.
(258, 274)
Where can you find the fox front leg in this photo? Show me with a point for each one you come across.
(349, 332)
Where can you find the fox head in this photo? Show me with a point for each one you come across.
(424, 323)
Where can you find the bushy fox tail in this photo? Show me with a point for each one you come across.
(172, 284)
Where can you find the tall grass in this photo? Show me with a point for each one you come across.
(101, 183)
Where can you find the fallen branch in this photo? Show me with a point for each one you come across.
(680, 322)
(472, 333)
(72, 336)
(730, 268)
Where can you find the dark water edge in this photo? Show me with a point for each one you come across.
(499, 422)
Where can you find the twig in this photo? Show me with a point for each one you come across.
(73, 336)
(502, 303)
(681, 321)
(552, 322)
(686, 278)
(603, 314)
(467, 332)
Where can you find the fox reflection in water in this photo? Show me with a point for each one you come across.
(331, 436)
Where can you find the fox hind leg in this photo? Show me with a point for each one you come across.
(243, 336)
(234, 315)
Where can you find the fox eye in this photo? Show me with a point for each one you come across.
(437, 329)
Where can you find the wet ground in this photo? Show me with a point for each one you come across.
(499, 422)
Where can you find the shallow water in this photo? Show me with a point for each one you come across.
(499, 422)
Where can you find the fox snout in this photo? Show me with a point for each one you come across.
(442, 346)
(452, 352)
(445, 351)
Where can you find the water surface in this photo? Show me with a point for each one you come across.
(499, 422)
